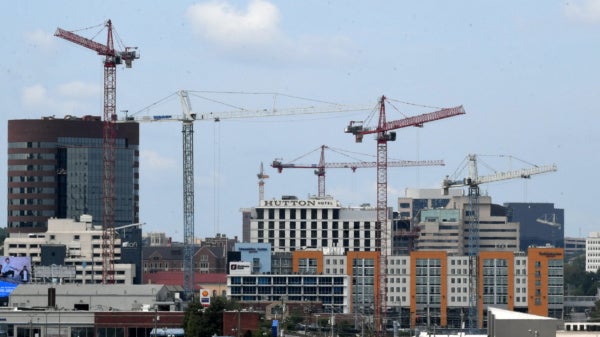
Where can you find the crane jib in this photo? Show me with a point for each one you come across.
(429, 117)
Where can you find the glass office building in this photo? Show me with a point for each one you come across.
(55, 170)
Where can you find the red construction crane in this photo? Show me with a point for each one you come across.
(111, 59)
(383, 135)
(322, 165)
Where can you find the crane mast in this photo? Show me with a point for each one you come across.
(187, 119)
(111, 59)
(383, 136)
(261, 182)
(472, 182)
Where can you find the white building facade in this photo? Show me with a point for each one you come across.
(290, 224)
(592, 252)
(79, 245)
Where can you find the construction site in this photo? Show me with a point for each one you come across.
(433, 259)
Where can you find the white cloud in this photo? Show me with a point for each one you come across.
(41, 39)
(255, 33)
(79, 89)
(583, 10)
(153, 161)
(74, 98)
(223, 24)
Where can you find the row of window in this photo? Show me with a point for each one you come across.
(31, 179)
(312, 234)
(314, 225)
(47, 213)
(293, 243)
(13, 168)
(31, 156)
(292, 213)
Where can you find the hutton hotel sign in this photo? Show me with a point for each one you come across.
(299, 203)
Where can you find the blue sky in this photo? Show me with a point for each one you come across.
(526, 72)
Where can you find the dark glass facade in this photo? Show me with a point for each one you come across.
(55, 170)
(540, 223)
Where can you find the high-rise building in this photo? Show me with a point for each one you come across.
(540, 223)
(290, 224)
(55, 170)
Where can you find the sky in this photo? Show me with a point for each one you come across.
(526, 73)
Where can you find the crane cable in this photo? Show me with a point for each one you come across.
(216, 175)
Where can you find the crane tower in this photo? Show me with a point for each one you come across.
(112, 58)
(383, 133)
(187, 120)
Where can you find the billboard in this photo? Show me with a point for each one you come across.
(15, 270)
(240, 268)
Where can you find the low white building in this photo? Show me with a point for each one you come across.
(74, 246)
(592, 252)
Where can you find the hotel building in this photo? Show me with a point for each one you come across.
(290, 224)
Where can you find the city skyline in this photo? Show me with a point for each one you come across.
(525, 74)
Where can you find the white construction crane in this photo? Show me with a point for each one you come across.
(261, 182)
(187, 120)
(472, 181)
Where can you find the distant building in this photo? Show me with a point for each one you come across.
(540, 223)
(76, 246)
(55, 171)
(170, 258)
(425, 287)
(290, 224)
(215, 283)
(574, 247)
(156, 239)
(447, 229)
(592, 252)
(257, 254)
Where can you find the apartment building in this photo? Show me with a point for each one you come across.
(424, 288)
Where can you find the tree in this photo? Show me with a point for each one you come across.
(595, 313)
(192, 319)
(577, 281)
(200, 322)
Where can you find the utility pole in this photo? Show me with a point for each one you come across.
(238, 323)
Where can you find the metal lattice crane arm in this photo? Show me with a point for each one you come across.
(190, 115)
(87, 43)
(359, 130)
(277, 164)
(474, 179)
(322, 165)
